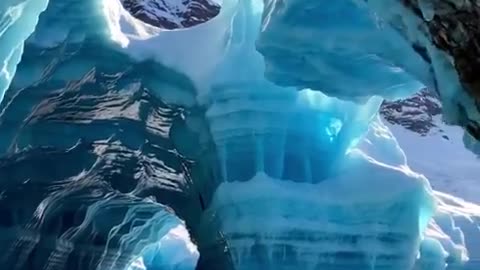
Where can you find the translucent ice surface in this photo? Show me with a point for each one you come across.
(248, 142)
(18, 19)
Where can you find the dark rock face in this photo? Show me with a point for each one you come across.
(453, 26)
(455, 29)
(172, 14)
(415, 114)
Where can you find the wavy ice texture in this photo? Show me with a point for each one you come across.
(300, 186)
(339, 48)
(126, 226)
(18, 19)
(88, 220)
(299, 148)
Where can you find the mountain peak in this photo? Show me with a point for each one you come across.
(417, 113)
(172, 14)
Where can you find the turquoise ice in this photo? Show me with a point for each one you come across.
(308, 176)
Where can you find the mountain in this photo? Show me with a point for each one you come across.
(171, 14)
(417, 113)
(426, 140)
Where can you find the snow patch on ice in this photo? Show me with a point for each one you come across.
(172, 48)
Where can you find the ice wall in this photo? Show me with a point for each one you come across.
(339, 48)
(93, 178)
(81, 226)
(393, 40)
(294, 192)
(17, 21)
(296, 188)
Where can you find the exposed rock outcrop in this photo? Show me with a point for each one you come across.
(417, 114)
(172, 14)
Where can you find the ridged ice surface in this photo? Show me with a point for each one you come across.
(295, 193)
(17, 21)
(136, 151)
(90, 172)
(353, 49)
(309, 44)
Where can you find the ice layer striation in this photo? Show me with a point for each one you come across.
(302, 174)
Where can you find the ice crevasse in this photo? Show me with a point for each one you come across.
(309, 177)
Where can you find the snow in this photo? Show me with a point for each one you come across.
(449, 166)
(458, 106)
(172, 48)
(307, 178)
(373, 194)
(453, 172)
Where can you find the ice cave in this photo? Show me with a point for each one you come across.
(239, 134)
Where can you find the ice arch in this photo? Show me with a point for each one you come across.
(269, 136)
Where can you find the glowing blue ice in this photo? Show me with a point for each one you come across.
(338, 47)
(308, 177)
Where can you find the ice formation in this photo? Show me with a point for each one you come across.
(305, 176)
(18, 20)
(390, 39)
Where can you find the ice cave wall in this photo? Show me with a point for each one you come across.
(98, 178)
(407, 36)
(18, 20)
(276, 139)
(433, 41)
(249, 119)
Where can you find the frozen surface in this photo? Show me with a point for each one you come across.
(172, 48)
(458, 103)
(308, 44)
(353, 49)
(334, 224)
(441, 157)
(305, 175)
(18, 19)
(455, 179)
(295, 190)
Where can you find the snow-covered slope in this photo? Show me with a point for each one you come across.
(171, 14)
(432, 147)
(436, 150)
(442, 158)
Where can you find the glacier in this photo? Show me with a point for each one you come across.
(259, 148)
(19, 19)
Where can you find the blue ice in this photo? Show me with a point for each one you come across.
(290, 91)
(18, 19)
